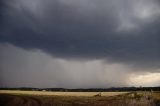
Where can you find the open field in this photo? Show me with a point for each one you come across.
(60, 93)
(34, 98)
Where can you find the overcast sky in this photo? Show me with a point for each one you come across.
(79, 43)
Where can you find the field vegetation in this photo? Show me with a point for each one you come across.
(43, 98)
(59, 93)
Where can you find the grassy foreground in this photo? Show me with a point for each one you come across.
(34, 98)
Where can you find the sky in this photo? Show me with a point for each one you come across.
(79, 43)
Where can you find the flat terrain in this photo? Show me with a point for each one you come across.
(34, 98)
(60, 93)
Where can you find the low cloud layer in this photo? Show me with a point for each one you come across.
(37, 69)
(123, 32)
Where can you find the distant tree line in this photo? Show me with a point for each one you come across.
(113, 89)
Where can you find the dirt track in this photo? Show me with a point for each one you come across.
(8, 100)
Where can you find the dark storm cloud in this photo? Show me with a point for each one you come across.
(38, 69)
(19, 67)
(119, 30)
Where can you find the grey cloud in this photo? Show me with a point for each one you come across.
(19, 67)
(37, 69)
(89, 29)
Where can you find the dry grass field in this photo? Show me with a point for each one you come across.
(60, 93)
(43, 98)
